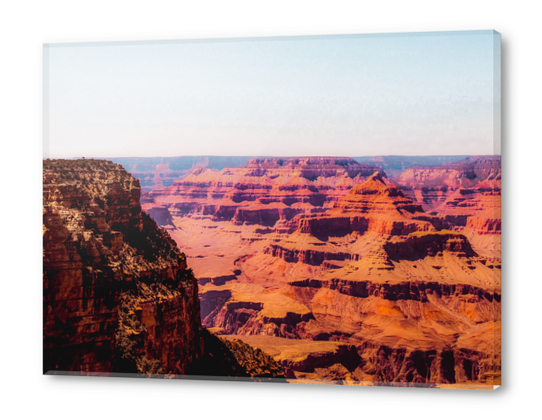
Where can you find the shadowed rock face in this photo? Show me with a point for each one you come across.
(342, 275)
(161, 216)
(418, 246)
(117, 293)
(236, 360)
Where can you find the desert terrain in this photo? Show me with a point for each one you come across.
(342, 272)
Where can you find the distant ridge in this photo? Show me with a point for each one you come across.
(394, 165)
(155, 172)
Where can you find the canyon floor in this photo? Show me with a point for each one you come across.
(344, 275)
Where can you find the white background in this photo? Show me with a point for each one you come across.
(26, 25)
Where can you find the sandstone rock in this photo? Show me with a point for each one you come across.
(329, 258)
(117, 294)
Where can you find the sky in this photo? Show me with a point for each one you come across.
(351, 95)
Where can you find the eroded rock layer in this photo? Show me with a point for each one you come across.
(341, 274)
(117, 293)
(264, 190)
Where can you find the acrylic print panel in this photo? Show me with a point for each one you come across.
(319, 209)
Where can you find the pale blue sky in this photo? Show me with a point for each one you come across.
(356, 95)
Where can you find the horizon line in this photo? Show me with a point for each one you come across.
(268, 156)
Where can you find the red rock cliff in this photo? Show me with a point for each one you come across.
(117, 294)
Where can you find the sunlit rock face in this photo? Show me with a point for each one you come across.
(118, 296)
(340, 273)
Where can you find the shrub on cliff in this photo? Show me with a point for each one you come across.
(235, 359)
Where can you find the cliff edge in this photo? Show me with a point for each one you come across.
(117, 294)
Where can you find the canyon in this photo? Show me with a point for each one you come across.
(343, 273)
(357, 271)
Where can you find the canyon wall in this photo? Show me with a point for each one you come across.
(118, 296)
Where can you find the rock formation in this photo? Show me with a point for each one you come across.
(342, 274)
(117, 294)
(432, 185)
(265, 190)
